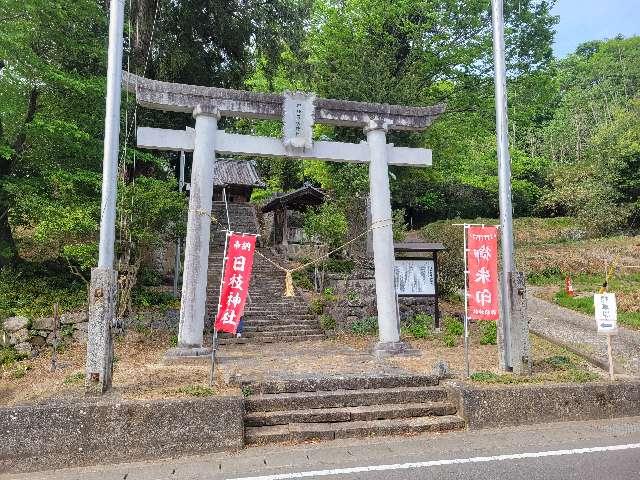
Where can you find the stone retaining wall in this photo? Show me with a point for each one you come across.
(84, 433)
(492, 407)
(356, 299)
(29, 336)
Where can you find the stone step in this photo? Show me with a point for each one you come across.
(282, 333)
(283, 324)
(340, 382)
(344, 398)
(285, 327)
(270, 339)
(349, 414)
(299, 432)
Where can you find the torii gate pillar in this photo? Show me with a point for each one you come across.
(196, 254)
(382, 233)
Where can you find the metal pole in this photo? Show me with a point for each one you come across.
(111, 136)
(504, 175)
(466, 306)
(177, 263)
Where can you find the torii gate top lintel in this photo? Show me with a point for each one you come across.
(179, 97)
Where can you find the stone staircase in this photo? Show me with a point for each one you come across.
(242, 218)
(347, 406)
(269, 316)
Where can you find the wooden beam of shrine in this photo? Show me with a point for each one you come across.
(236, 144)
(179, 97)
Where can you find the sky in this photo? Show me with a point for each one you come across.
(582, 20)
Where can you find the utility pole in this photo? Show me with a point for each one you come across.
(103, 293)
(513, 322)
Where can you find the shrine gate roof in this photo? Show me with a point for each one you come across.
(299, 199)
(179, 97)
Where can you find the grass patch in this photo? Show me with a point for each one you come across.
(150, 298)
(74, 379)
(555, 364)
(20, 371)
(196, 391)
(585, 305)
(9, 356)
(488, 333)
(419, 326)
(452, 331)
(365, 326)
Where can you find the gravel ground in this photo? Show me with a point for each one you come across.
(578, 331)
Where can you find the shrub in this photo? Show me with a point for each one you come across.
(327, 222)
(327, 322)
(365, 326)
(453, 328)
(399, 226)
(420, 326)
(316, 306)
(489, 333)
(302, 280)
(8, 356)
(337, 265)
(149, 298)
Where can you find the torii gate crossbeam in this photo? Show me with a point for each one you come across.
(207, 104)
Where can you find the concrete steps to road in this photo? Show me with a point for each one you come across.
(324, 408)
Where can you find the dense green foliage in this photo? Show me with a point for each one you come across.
(574, 122)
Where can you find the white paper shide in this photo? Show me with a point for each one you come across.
(297, 120)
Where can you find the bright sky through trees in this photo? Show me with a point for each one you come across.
(583, 20)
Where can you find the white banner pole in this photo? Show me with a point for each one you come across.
(466, 318)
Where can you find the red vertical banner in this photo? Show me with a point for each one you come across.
(235, 286)
(482, 268)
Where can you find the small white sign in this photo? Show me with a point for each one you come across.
(297, 120)
(415, 277)
(606, 313)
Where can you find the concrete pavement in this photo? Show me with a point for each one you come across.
(604, 449)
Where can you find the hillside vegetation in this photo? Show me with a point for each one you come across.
(574, 122)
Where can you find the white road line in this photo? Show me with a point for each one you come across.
(435, 463)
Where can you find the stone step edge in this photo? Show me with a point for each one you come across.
(350, 414)
(298, 432)
(343, 398)
(338, 382)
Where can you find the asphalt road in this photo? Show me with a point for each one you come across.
(603, 450)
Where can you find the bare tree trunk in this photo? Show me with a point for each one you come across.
(145, 16)
(8, 250)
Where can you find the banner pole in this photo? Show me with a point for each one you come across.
(466, 317)
(214, 335)
(609, 353)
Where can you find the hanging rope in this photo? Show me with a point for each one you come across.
(289, 290)
(288, 279)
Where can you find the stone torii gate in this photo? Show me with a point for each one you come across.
(208, 104)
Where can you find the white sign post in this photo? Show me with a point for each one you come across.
(607, 320)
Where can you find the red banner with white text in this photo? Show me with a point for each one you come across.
(235, 286)
(482, 267)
